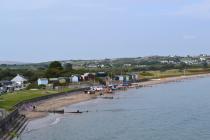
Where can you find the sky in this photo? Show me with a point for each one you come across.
(43, 30)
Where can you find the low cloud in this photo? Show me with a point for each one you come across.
(199, 10)
(189, 37)
(26, 4)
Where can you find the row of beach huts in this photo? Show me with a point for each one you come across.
(88, 77)
(19, 82)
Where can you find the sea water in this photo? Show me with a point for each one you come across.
(172, 111)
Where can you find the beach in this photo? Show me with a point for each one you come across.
(55, 103)
(59, 102)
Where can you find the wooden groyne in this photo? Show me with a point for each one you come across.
(13, 124)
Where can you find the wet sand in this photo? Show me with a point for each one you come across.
(59, 102)
(56, 103)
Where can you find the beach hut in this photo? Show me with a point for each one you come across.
(127, 78)
(74, 79)
(119, 78)
(101, 74)
(42, 81)
(53, 80)
(63, 80)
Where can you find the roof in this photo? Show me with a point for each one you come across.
(42, 79)
(53, 79)
(19, 78)
(60, 78)
(119, 76)
(74, 76)
(4, 81)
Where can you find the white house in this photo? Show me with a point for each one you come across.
(42, 81)
(19, 80)
(74, 79)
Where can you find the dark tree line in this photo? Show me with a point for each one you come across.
(54, 69)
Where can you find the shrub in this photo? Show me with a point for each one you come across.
(42, 87)
(32, 86)
(147, 74)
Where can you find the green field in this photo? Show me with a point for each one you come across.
(7, 101)
(172, 73)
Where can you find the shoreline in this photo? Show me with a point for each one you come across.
(60, 102)
(172, 79)
(55, 103)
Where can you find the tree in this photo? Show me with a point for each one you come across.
(55, 69)
(55, 65)
(205, 64)
(183, 65)
(68, 67)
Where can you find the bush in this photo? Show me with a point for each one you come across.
(32, 86)
(147, 74)
(42, 87)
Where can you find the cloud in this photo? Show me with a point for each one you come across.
(189, 37)
(199, 10)
(17, 5)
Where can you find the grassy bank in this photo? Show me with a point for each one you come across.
(172, 73)
(7, 101)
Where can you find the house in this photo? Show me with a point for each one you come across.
(63, 80)
(88, 76)
(12, 88)
(6, 86)
(119, 78)
(123, 78)
(127, 65)
(42, 81)
(101, 66)
(74, 79)
(101, 74)
(53, 80)
(2, 90)
(19, 80)
(92, 66)
(5, 83)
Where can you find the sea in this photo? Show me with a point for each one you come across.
(170, 111)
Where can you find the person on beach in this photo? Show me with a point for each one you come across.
(34, 108)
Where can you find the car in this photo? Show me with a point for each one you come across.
(89, 91)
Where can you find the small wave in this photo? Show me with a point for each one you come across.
(57, 120)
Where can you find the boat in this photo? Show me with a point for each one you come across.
(108, 97)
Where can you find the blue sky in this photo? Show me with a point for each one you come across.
(42, 30)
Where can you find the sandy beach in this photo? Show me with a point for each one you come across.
(56, 103)
(59, 102)
(172, 79)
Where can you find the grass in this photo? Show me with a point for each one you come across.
(172, 73)
(7, 101)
